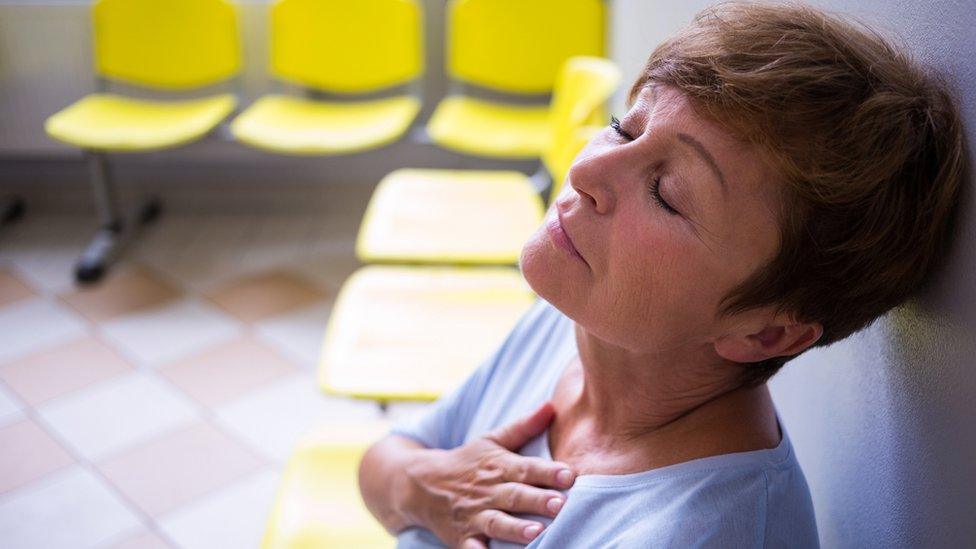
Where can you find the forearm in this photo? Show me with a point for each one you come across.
(384, 482)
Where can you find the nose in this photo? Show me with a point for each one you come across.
(592, 177)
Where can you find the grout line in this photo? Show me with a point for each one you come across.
(147, 520)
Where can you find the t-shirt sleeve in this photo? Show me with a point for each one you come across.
(445, 424)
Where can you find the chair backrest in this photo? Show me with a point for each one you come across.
(517, 46)
(582, 90)
(166, 44)
(347, 46)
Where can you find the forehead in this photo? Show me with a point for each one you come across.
(745, 164)
(751, 205)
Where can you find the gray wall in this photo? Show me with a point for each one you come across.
(884, 423)
(46, 64)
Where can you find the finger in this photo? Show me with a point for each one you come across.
(519, 498)
(514, 435)
(498, 525)
(473, 543)
(537, 471)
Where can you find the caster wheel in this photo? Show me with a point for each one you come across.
(150, 211)
(87, 274)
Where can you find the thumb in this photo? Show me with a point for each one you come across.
(514, 435)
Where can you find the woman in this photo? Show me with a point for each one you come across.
(781, 180)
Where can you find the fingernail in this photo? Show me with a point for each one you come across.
(564, 477)
(532, 531)
(554, 505)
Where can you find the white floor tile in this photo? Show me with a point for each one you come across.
(157, 336)
(169, 236)
(30, 324)
(274, 418)
(201, 273)
(70, 509)
(10, 408)
(212, 256)
(118, 413)
(280, 240)
(231, 518)
(298, 334)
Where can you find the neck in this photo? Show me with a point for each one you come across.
(624, 400)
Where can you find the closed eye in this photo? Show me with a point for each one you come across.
(615, 124)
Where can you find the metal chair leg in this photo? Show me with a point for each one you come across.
(114, 233)
(11, 209)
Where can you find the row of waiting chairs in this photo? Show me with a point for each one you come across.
(413, 331)
(413, 323)
(344, 48)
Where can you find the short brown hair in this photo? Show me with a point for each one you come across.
(869, 146)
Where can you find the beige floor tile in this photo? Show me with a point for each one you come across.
(28, 454)
(62, 369)
(264, 295)
(227, 371)
(167, 472)
(124, 291)
(12, 288)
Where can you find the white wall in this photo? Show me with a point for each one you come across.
(884, 423)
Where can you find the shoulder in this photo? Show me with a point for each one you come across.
(750, 507)
(543, 332)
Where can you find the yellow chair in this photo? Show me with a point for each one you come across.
(318, 505)
(343, 48)
(167, 45)
(483, 217)
(412, 333)
(513, 47)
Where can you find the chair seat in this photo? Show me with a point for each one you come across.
(484, 128)
(318, 502)
(449, 216)
(111, 122)
(413, 333)
(296, 125)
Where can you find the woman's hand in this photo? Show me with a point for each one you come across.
(465, 495)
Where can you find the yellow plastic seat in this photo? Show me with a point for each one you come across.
(295, 125)
(490, 214)
(110, 122)
(179, 45)
(413, 333)
(514, 47)
(484, 128)
(483, 217)
(339, 47)
(318, 505)
(166, 46)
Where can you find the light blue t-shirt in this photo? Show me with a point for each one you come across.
(746, 499)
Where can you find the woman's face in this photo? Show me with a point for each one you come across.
(644, 274)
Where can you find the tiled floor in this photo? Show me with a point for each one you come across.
(157, 409)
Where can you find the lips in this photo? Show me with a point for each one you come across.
(560, 237)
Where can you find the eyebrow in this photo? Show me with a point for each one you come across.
(709, 159)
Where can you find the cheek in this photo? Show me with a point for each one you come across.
(657, 290)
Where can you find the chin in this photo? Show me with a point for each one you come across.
(545, 270)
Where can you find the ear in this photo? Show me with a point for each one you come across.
(781, 339)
